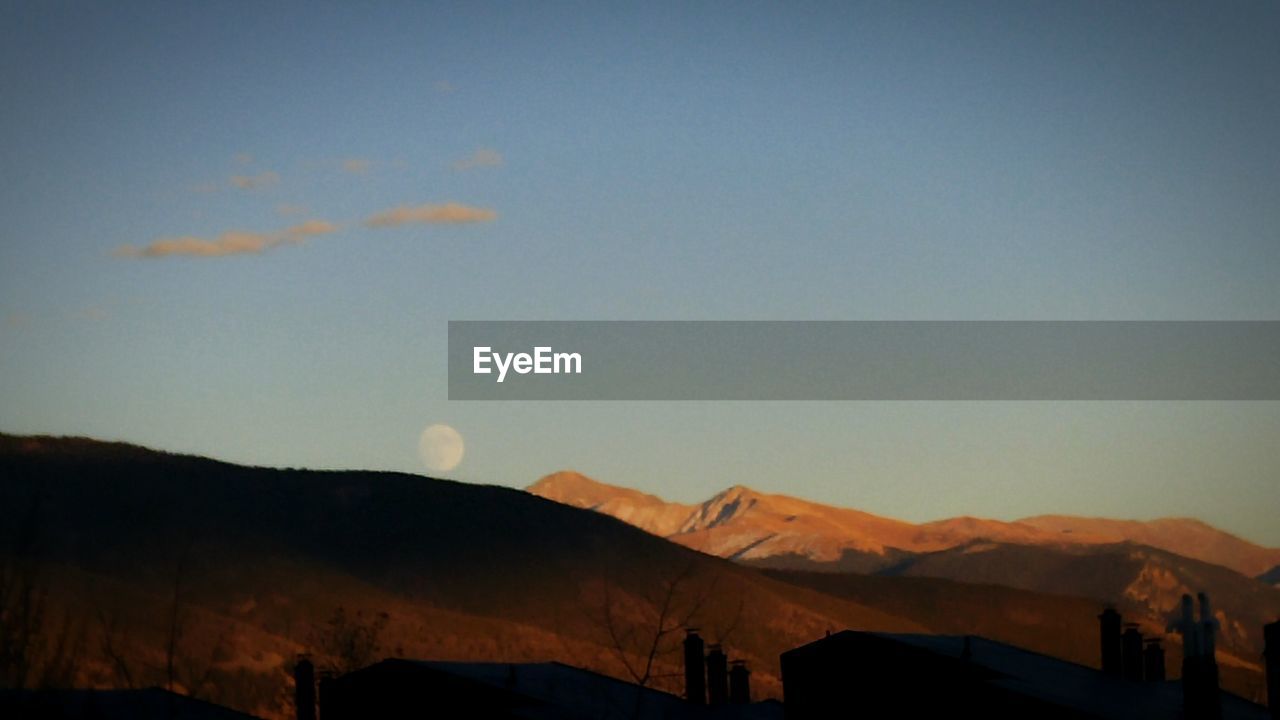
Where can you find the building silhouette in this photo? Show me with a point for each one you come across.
(849, 673)
(144, 704)
(413, 688)
(961, 675)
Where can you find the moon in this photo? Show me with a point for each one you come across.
(441, 448)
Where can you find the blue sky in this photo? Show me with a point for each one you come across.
(654, 161)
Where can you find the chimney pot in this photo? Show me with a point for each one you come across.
(739, 683)
(1271, 636)
(717, 676)
(695, 674)
(1153, 661)
(304, 688)
(1200, 696)
(1109, 625)
(1131, 643)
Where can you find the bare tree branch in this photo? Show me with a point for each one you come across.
(34, 652)
(641, 631)
(175, 620)
(350, 641)
(115, 651)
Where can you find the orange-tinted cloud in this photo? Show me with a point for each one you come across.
(356, 166)
(448, 213)
(481, 158)
(232, 242)
(253, 182)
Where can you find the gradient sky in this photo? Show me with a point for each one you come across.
(1016, 160)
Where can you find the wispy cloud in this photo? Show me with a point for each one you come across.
(312, 227)
(263, 179)
(443, 86)
(481, 158)
(232, 242)
(243, 158)
(448, 213)
(286, 209)
(356, 166)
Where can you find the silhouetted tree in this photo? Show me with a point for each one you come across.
(35, 651)
(116, 650)
(186, 669)
(187, 666)
(643, 631)
(349, 642)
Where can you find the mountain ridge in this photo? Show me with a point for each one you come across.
(461, 571)
(831, 548)
(263, 557)
(747, 524)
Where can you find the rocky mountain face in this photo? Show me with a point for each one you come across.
(743, 524)
(239, 569)
(1142, 567)
(1184, 536)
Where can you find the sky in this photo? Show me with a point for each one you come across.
(240, 230)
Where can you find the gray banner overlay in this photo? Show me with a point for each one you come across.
(910, 360)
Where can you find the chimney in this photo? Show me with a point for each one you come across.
(1208, 625)
(1109, 624)
(1200, 696)
(304, 688)
(1190, 631)
(1209, 659)
(1271, 635)
(739, 683)
(328, 707)
(717, 676)
(695, 675)
(1153, 661)
(1131, 642)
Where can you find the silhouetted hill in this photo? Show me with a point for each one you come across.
(263, 557)
(254, 562)
(1061, 625)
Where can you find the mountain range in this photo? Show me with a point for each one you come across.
(746, 525)
(240, 569)
(1144, 568)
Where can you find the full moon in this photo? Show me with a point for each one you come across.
(441, 448)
